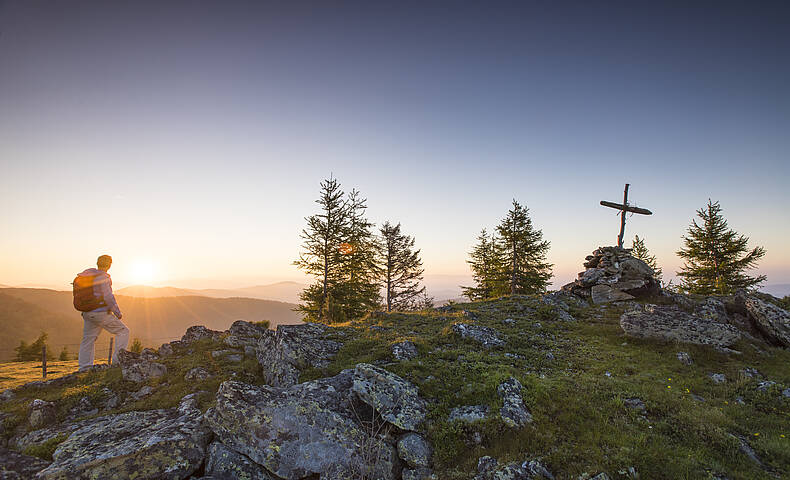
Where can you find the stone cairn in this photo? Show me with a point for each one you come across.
(612, 275)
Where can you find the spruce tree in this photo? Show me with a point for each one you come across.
(640, 251)
(486, 268)
(402, 268)
(357, 290)
(716, 257)
(320, 256)
(523, 253)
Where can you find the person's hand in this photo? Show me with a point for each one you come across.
(120, 316)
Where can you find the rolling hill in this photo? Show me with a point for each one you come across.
(281, 291)
(25, 312)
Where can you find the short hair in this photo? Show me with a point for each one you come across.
(104, 261)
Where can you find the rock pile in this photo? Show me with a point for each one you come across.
(611, 275)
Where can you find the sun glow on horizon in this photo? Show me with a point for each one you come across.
(143, 270)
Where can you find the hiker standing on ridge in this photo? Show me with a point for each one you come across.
(93, 297)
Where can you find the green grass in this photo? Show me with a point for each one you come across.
(581, 423)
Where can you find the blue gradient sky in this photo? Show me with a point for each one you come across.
(193, 135)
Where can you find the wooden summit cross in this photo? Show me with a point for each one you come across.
(624, 207)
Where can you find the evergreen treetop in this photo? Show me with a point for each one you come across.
(716, 257)
(523, 251)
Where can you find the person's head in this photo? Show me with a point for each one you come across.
(104, 262)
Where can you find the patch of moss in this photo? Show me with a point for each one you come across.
(46, 449)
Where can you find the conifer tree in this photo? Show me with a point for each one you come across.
(402, 268)
(523, 252)
(716, 257)
(487, 269)
(640, 251)
(320, 253)
(357, 289)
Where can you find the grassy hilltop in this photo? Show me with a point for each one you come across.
(580, 380)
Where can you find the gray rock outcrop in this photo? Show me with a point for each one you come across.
(282, 354)
(612, 275)
(245, 335)
(155, 444)
(513, 411)
(405, 350)
(485, 336)
(395, 399)
(16, 466)
(671, 323)
(468, 413)
(42, 413)
(199, 332)
(414, 450)
(771, 321)
(223, 463)
(300, 431)
(136, 369)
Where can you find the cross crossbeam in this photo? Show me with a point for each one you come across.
(624, 208)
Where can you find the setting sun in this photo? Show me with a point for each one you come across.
(142, 271)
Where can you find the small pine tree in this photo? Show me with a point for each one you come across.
(137, 346)
(487, 268)
(640, 251)
(320, 256)
(402, 268)
(357, 288)
(32, 352)
(523, 253)
(716, 257)
(64, 354)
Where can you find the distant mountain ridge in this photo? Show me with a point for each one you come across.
(779, 290)
(26, 312)
(281, 291)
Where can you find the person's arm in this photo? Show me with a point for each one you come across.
(109, 299)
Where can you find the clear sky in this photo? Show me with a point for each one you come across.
(188, 139)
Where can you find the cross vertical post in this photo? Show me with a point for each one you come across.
(624, 208)
(622, 217)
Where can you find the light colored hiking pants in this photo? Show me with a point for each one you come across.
(94, 323)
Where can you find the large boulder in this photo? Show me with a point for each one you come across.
(414, 450)
(14, 465)
(771, 321)
(282, 354)
(42, 413)
(156, 444)
(485, 336)
(223, 463)
(303, 431)
(395, 399)
(671, 323)
(199, 332)
(136, 369)
(245, 335)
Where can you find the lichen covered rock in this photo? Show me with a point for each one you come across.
(223, 463)
(291, 348)
(513, 411)
(486, 336)
(671, 323)
(136, 369)
(16, 466)
(395, 399)
(156, 444)
(298, 432)
(772, 321)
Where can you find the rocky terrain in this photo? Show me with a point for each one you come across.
(656, 385)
